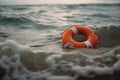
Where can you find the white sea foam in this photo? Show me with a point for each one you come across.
(51, 60)
(16, 48)
(14, 68)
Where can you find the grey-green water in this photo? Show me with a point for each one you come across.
(31, 47)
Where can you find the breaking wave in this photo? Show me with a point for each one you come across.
(17, 61)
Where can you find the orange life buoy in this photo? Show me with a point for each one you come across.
(68, 41)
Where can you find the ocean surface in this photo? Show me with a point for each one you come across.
(31, 46)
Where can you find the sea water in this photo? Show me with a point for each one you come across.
(31, 47)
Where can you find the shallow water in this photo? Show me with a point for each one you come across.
(31, 47)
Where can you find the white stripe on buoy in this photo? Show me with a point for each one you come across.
(75, 31)
(88, 44)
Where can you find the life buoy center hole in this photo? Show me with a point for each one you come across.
(80, 38)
